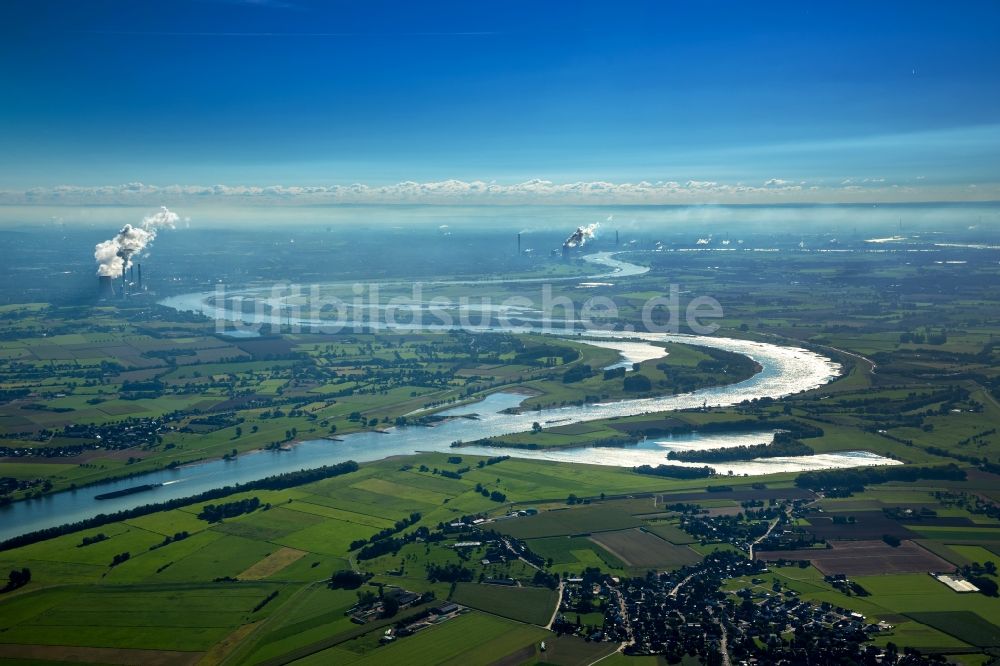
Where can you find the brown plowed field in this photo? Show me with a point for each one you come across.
(865, 558)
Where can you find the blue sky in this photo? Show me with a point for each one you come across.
(704, 101)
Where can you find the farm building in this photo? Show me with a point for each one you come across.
(956, 583)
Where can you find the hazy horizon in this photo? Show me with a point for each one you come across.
(973, 218)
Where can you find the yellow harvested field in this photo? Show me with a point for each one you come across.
(272, 564)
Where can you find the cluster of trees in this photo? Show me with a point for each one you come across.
(577, 374)
(614, 373)
(88, 541)
(6, 395)
(167, 540)
(9, 484)
(545, 579)
(543, 355)
(394, 544)
(675, 471)
(784, 446)
(855, 479)
(400, 525)
(932, 337)
(457, 474)
(38, 407)
(449, 573)
(983, 463)
(637, 383)
(142, 390)
(791, 427)
(491, 461)
(986, 585)
(214, 422)
(346, 579)
(120, 558)
(214, 513)
(723, 367)
(17, 578)
(495, 495)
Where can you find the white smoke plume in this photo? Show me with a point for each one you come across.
(582, 234)
(114, 256)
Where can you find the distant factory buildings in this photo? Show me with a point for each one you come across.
(582, 236)
(130, 285)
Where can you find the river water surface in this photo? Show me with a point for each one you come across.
(785, 371)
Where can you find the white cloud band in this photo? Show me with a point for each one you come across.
(535, 191)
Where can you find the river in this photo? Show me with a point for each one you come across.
(785, 371)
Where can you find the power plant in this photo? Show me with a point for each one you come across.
(114, 256)
(131, 284)
(579, 238)
(576, 240)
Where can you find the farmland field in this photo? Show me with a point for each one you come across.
(533, 605)
(185, 617)
(864, 558)
(583, 520)
(574, 552)
(963, 625)
(865, 525)
(640, 549)
(272, 564)
(468, 639)
(671, 533)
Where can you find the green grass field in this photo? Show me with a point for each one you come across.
(671, 533)
(641, 550)
(315, 523)
(574, 553)
(469, 639)
(183, 617)
(963, 625)
(533, 605)
(569, 521)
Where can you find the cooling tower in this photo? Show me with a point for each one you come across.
(105, 287)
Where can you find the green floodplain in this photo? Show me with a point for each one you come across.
(285, 575)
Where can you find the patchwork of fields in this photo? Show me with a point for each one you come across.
(253, 587)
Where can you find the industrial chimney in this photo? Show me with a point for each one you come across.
(139, 285)
(519, 243)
